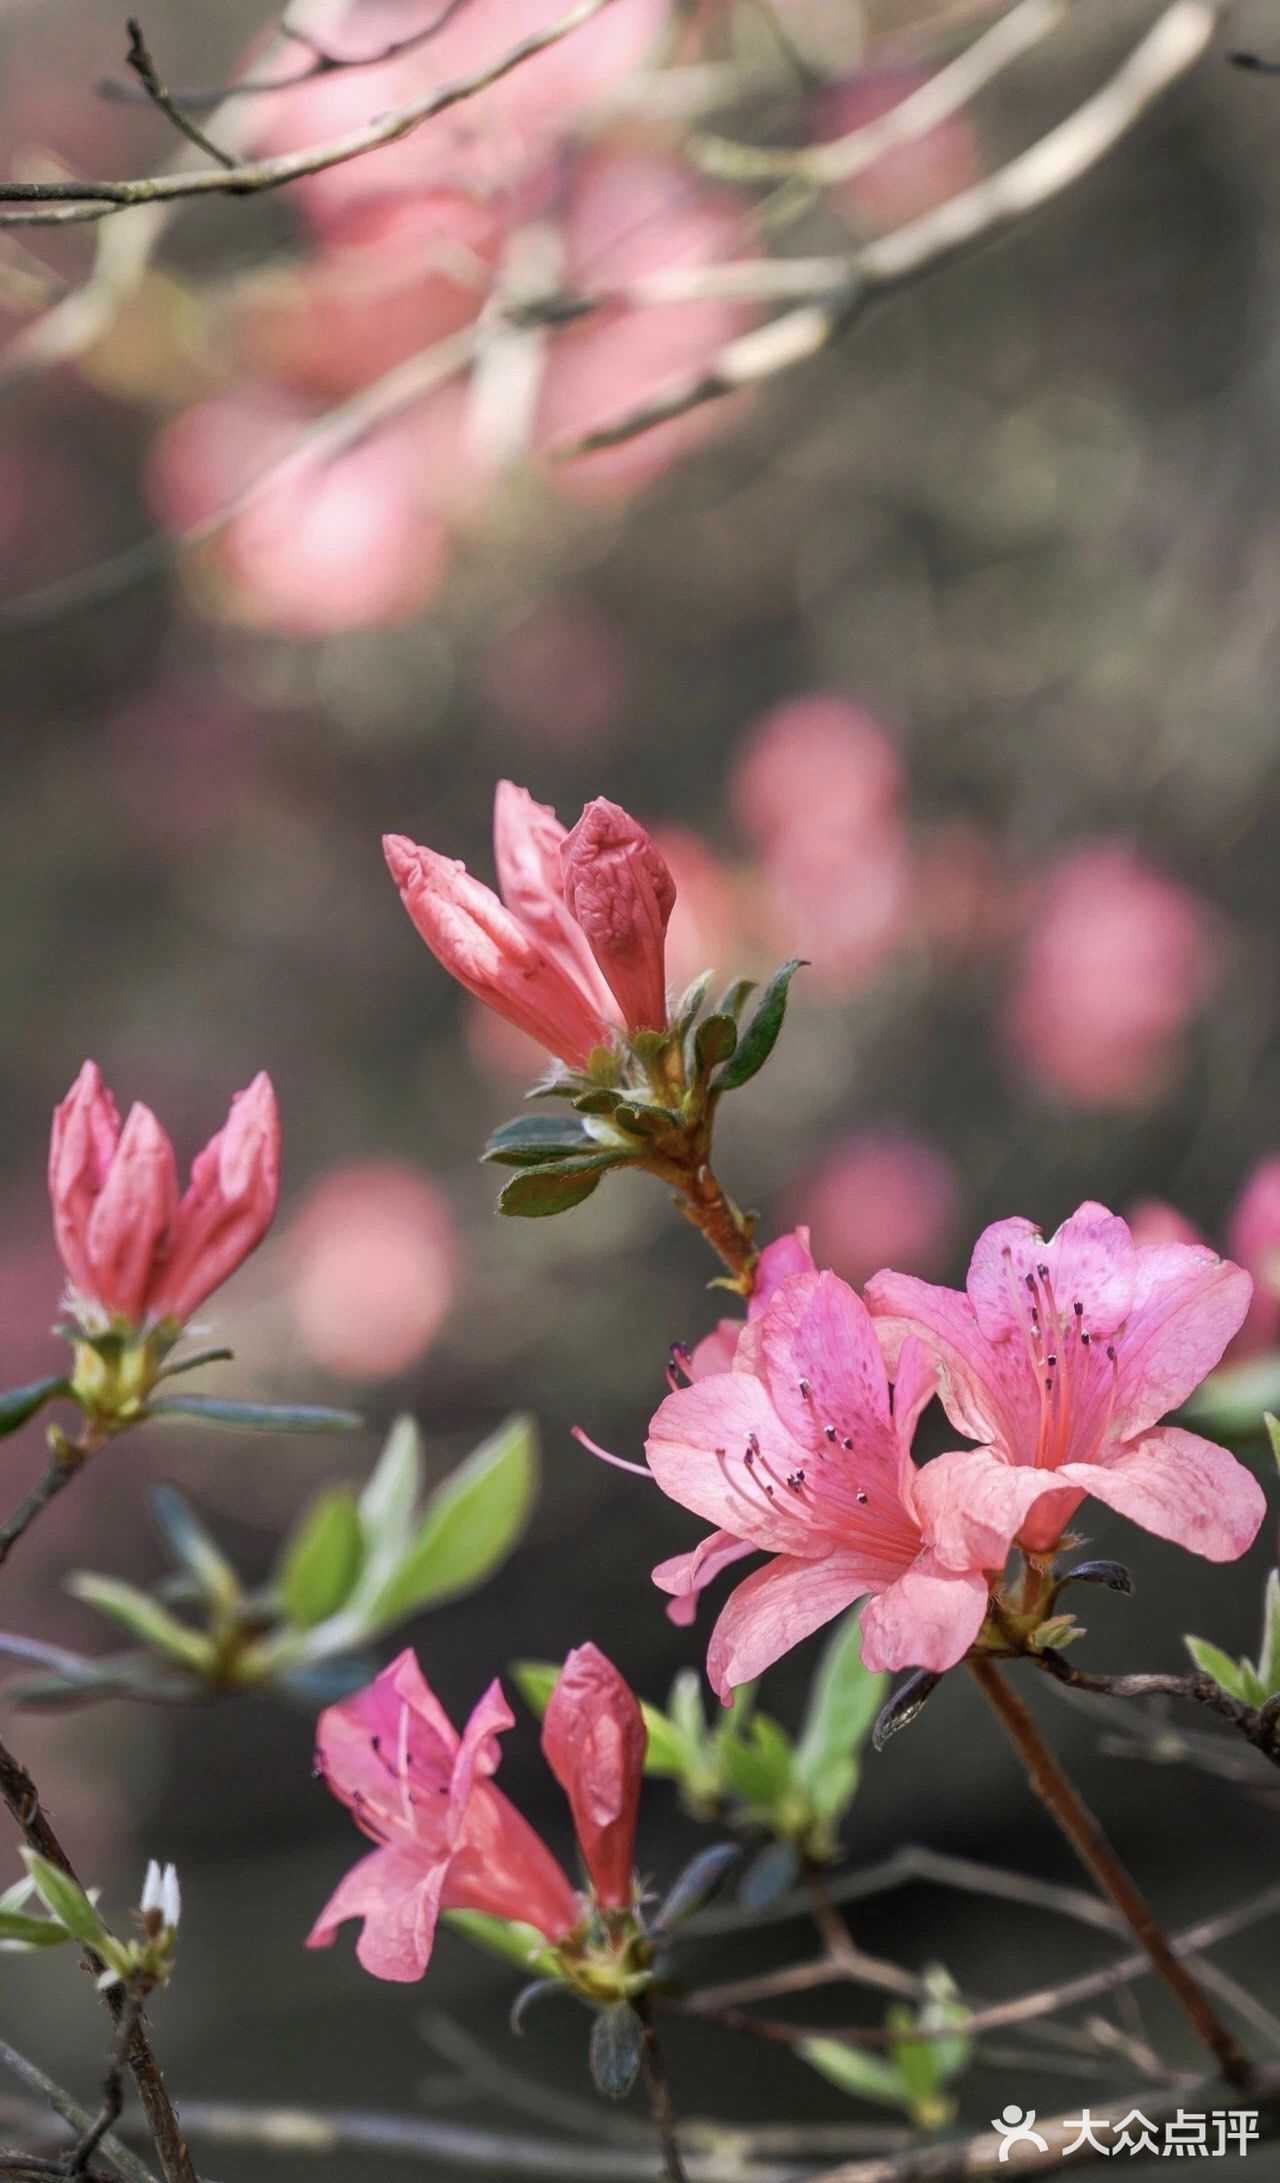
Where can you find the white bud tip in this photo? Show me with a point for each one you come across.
(151, 1889)
(171, 1897)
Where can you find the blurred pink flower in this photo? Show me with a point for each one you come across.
(324, 543)
(1252, 1239)
(632, 216)
(373, 1262)
(393, 276)
(844, 907)
(816, 764)
(446, 1838)
(495, 142)
(559, 675)
(1061, 1358)
(880, 1197)
(967, 901)
(1116, 963)
(799, 1452)
(134, 1250)
(912, 178)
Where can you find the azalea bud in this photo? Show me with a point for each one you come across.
(136, 1253)
(161, 1901)
(492, 953)
(594, 1738)
(622, 895)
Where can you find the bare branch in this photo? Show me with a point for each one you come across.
(59, 203)
(322, 62)
(144, 68)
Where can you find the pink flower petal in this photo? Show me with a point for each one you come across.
(1187, 1304)
(987, 1389)
(686, 1576)
(399, 1901)
(700, 1441)
(1091, 1259)
(1182, 1488)
(778, 1607)
(928, 1619)
(972, 1504)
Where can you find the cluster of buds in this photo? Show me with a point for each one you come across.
(572, 951)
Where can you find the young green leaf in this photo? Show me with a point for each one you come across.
(22, 1933)
(699, 1881)
(533, 1138)
(761, 1035)
(256, 1417)
(192, 1547)
(1228, 1674)
(843, 1704)
(65, 1900)
(757, 1761)
(505, 1937)
(852, 2069)
(144, 1617)
(391, 1493)
(714, 1042)
(1269, 1657)
(471, 1525)
(322, 1559)
(690, 1001)
(556, 1187)
(17, 1404)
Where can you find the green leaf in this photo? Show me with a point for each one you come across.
(533, 1138)
(143, 1616)
(256, 1417)
(322, 1560)
(616, 2043)
(714, 1042)
(757, 1762)
(18, 1930)
(471, 1524)
(735, 997)
(843, 1704)
(1269, 1657)
(854, 2070)
(17, 1404)
(192, 1547)
(391, 1493)
(1232, 1401)
(1272, 1424)
(505, 1937)
(557, 1186)
(66, 1900)
(535, 1680)
(943, 2008)
(699, 1881)
(761, 1034)
(1211, 1661)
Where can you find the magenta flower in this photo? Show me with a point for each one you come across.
(594, 1738)
(446, 1838)
(573, 951)
(1061, 1358)
(133, 1249)
(800, 1452)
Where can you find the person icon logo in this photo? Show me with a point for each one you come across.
(1014, 2127)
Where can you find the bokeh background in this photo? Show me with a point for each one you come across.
(949, 664)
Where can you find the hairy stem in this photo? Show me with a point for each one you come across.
(1086, 1837)
(713, 1213)
(23, 1799)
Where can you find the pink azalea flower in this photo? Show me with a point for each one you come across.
(594, 1738)
(446, 1838)
(800, 1453)
(633, 215)
(1117, 961)
(573, 951)
(1061, 1358)
(134, 1250)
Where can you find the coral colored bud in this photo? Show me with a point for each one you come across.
(490, 952)
(594, 1738)
(622, 895)
(132, 1249)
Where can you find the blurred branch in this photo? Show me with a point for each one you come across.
(69, 2111)
(322, 62)
(965, 222)
(63, 202)
(934, 102)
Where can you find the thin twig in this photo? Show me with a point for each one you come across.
(322, 62)
(61, 202)
(144, 68)
(658, 2088)
(19, 1792)
(1260, 1724)
(108, 2115)
(59, 1472)
(70, 2111)
(1060, 1798)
